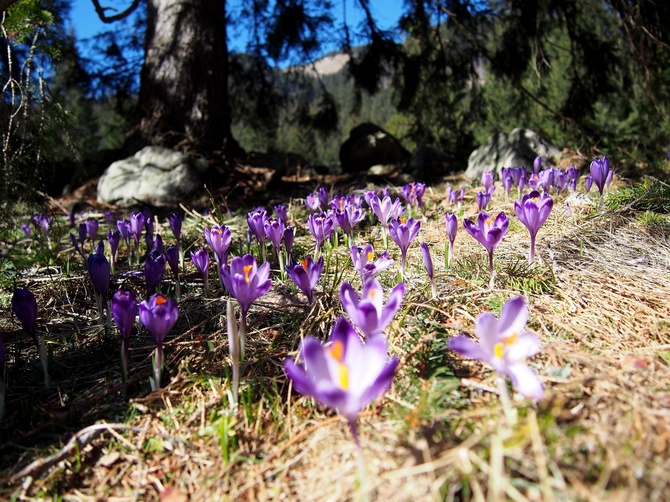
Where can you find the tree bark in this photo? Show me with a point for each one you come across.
(183, 101)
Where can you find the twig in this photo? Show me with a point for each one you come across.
(76, 443)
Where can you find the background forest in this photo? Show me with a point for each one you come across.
(592, 76)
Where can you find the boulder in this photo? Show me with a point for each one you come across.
(155, 175)
(429, 164)
(369, 145)
(518, 148)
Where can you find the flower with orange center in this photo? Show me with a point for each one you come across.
(306, 275)
(369, 314)
(245, 281)
(505, 344)
(343, 374)
(367, 263)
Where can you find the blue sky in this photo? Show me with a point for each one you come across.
(86, 23)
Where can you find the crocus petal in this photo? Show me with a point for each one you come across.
(527, 344)
(467, 347)
(513, 317)
(525, 380)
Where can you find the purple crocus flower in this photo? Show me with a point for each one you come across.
(537, 164)
(175, 220)
(113, 237)
(533, 210)
(323, 196)
(505, 345)
(546, 179)
(92, 226)
(158, 244)
(403, 234)
(369, 314)
(320, 226)
(306, 274)
(43, 221)
(136, 226)
(343, 374)
(256, 221)
(24, 307)
(124, 229)
(312, 202)
(508, 181)
(82, 234)
(488, 233)
(451, 224)
(26, 230)
(428, 262)
(349, 217)
(99, 270)
(172, 257)
(487, 180)
(219, 237)
(588, 182)
(281, 210)
(200, 259)
(483, 199)
(158, 314)
(385, 209)
(601, 175)
(273, 228)
(289, 238)
(148, 226)
(413, 193)
(124, 311)
(245, 281)
(573, 176)
(367, 263)
(154, 268)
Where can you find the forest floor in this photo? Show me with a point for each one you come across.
(598, 296)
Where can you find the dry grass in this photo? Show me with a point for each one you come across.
(599, 296)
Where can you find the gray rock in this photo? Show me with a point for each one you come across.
(369, 145)
(518, 148)
(154, 175)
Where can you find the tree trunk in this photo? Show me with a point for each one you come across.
(183, 101)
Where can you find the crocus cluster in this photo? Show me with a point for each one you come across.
(488, 232)
(403, 234)
(533, 210)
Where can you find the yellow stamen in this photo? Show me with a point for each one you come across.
(304, 262)
(402, 220)
(371, 256)
(498, 349)
(343, 377)
(247, 269)
(372, 293)
(160, 300)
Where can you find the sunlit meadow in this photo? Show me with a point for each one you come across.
(497, 339)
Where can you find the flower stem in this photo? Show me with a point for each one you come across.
(508, 409)
(44, 358)
(242, 332)
(491, 271)
(531, 256)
